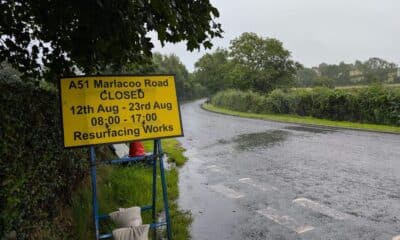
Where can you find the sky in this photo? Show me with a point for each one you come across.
(314, 31)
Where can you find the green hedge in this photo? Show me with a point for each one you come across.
(37, 174)
(375, 104)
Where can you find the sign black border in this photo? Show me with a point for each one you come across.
(118, 75)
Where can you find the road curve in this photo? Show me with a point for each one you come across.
(255, 179)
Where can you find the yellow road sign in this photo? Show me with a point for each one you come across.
(109, 109)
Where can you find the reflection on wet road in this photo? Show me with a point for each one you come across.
(253, 179)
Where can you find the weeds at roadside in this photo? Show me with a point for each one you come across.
(126, 186)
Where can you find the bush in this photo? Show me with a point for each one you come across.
(37, 174)
(239, 101)
(303, 102)
(279, 102)
(375, 104)
(381, 105)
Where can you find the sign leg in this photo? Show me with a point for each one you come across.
(154, 195)
(95, 207)
(164, 190)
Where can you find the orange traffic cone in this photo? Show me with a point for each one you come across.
(136, 149)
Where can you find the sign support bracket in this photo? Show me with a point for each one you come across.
(156, 156)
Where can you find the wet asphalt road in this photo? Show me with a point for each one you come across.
(253, 179)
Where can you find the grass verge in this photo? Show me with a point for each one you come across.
(126, 186)
(305, 120)
(172, 148)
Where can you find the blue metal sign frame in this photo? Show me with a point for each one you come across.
(156, 156)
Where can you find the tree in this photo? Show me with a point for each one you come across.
(338, 74)
(343, 77)
(374, 70)
(8, 74)
(322, 81)
(378, 70)
(262, 64)
(306, 77)
(171, 64)
(193, 89)
(57, 37)
(163, 64)
(212, 71)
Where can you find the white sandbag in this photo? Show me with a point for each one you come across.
(132, 233)
(127, 217)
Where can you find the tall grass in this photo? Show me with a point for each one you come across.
(172, 148)
(126, 186)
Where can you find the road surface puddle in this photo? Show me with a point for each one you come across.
(309, 129)
(262, 139)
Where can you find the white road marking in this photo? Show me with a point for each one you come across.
(284, 220)
(261, 186)
(304, 229)
(214, 168)
(307, 203)
(396, 237)
(227, 192)
(211, 166)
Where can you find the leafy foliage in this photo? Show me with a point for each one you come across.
(126, 186)
(245, 101)
(37, 174)
(95, 34)
(166, 64)
(373, 70)
(264, 62)
(375, 104)
(172, 64)
(194, 89)
(251, 63)
(212, 71)
(8, 74)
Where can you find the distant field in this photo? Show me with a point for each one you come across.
(394, 85)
